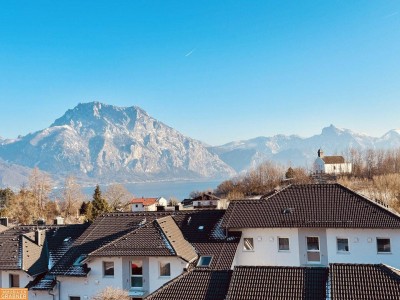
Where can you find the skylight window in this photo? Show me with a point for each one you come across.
(204, 261)
(248, 244)
(78, 261)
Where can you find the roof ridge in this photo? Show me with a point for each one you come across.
(391, 270)
(366, 199)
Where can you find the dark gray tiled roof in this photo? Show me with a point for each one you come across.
(352, 281)
(277, 283)
(144, 241)
(312, 205)
(105, 237)
(195, 285)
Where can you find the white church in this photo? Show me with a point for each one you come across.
(331, 164)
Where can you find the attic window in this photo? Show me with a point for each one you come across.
(67, 239)
(204, 261)
(79, 260)
(201, 227)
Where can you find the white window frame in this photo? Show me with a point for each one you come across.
(337, 245)
(312, 250)
(390, 244)
(244, 244)
(136, 276)
(283, 237)
(202, 265)
(159, 268)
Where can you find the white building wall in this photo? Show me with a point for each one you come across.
(337, 168)
(137, 207)
(266, 251)
(155, 280)
(24, 278)
(87, 287)
(363, 247)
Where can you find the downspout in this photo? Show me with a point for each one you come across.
(59, 291)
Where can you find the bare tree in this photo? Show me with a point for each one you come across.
(40, 185)
(72, 197)
(118, 197)
(110, 293)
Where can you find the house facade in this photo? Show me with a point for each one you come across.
(314, 225)
(147, 204)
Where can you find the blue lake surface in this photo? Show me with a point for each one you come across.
(177, 189)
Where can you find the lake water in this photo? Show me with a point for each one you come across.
(177, 189)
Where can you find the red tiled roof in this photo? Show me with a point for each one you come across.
(144, 201)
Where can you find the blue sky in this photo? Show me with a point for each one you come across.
(215, 70)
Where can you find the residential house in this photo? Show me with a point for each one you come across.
(315, 224)
(139, 252)
(28, 252)
(208, 200)
(331, 164)
(148, 204)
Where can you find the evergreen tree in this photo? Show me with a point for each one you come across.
(99, 204)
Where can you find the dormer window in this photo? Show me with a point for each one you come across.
(204, 261)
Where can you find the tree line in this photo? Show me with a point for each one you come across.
(38, 200)
(375, 174)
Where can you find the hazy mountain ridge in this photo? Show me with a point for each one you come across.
(298, 151)
(103, 143)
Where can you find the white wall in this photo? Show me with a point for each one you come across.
(362, 246)
(338, 168)
(266, 251)
(95, 281)
(138, 208)
(24, 278)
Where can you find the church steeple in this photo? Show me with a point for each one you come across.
(320, 153)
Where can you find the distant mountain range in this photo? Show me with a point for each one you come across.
(298, 151)
(100, 143)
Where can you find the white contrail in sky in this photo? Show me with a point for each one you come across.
(190, 52)
(391, 15)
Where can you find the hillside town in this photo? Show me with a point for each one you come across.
(199, 150)
(314, 240)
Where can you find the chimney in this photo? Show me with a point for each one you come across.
(320, 153)
(39, 237)
(4, 221)
(59, 221)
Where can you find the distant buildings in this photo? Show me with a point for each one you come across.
(316, 241)
(331, 164)
(147, 204)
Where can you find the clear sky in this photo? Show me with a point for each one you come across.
(215, 70)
